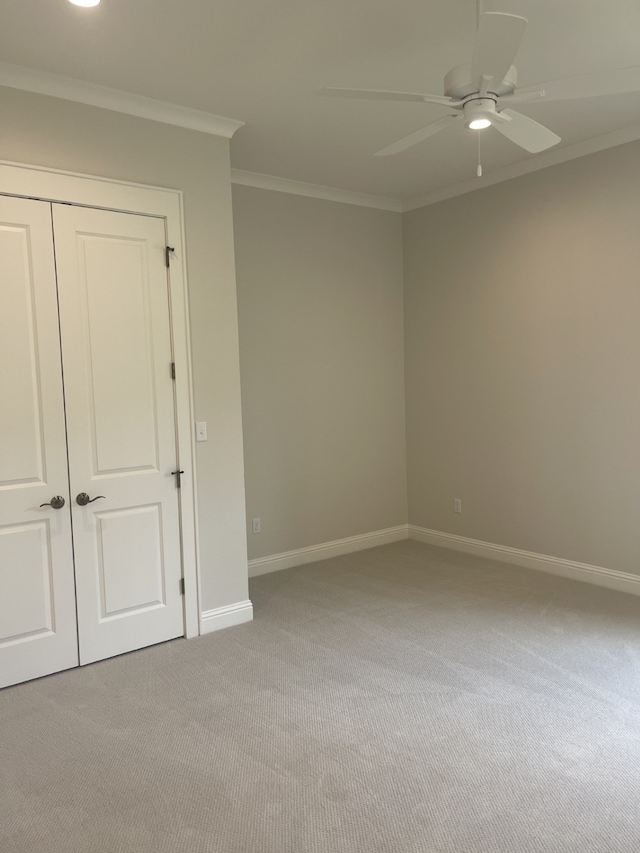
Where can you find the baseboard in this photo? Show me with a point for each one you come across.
(225, 617)
(610, 578)
(621, 581)
(289, 559)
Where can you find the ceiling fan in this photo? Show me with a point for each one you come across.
(481, 92)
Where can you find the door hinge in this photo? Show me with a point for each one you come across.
(167, 255)
(178, 476)
(173, 370)
(181, 586)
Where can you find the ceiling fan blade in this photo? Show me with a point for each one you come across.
(381, 95)
(615, 82)
(416, 136)
(497, 41)
(525, 132)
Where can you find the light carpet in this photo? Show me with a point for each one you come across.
(404, 699)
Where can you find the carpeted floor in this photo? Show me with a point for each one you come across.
(403, 699)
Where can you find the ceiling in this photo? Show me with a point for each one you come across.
(261, 61)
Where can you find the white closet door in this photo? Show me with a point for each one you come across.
(37, 601)
(114, 318)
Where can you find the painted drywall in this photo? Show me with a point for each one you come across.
(59, 134)
(522, 332)
(321, 353)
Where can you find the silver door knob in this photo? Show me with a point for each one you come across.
(57, 502)
(83, 499)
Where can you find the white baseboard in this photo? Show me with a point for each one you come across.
(621, 581)
(288, 559)
(610, 578)
(225, 617)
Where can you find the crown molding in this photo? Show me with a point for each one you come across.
(69, 89)
(541, 161)
(553, 157)
(287, 185)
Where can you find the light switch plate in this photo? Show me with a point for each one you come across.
(201, 431)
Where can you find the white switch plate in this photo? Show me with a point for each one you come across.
(255, 525)
(457, 505)
(201, 431)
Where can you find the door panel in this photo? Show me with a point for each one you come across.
(37, 606)
(21, 415)
(26, 607)
(130, 536)
(125, 413)
(114, 316)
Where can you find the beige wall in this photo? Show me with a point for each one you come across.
(62, 135)
(522, 327)
(321, 334)
(523, 361)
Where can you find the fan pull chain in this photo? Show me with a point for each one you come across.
(479, 171)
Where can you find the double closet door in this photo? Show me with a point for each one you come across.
(90, 551)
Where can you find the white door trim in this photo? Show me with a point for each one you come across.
(71, 188)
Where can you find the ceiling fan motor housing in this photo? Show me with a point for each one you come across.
(479, 109)
(458, 83)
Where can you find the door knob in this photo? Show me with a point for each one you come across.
(57, 502)
(83, 499)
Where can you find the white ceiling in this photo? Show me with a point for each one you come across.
(261, 61)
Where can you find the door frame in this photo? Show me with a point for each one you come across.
(52, 185)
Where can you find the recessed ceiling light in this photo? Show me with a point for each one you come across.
(84, 2)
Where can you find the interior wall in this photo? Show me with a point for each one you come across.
(59, 134)
(521, 349)
(522, 361)
(321, 334)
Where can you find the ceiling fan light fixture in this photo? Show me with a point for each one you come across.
(85, 3)
(479, 113)
(479, 123)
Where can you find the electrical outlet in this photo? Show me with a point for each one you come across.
(457, 505)
(256, 527)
